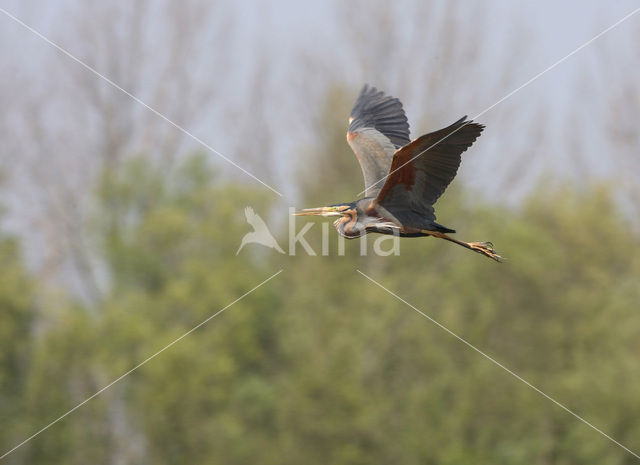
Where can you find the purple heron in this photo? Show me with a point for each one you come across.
(403, 178)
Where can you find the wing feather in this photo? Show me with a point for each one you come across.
(377, 127)
(422, 170)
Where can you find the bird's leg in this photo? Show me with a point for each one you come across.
(485, 248)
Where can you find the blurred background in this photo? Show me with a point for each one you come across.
(119, 232)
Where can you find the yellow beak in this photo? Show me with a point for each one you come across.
(321, 211)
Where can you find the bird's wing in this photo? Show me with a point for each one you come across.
(422, 170)
(377, 127)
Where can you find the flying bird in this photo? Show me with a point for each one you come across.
(260, 233)
(403, 178)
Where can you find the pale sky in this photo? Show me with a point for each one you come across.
(283, 28)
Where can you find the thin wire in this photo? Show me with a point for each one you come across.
(138, 366)
(488, 357)
(109, 81)
(507, 96)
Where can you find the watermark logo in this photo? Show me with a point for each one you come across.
(260, 234)
(383, 245)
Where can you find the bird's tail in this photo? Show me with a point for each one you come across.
(443, 229)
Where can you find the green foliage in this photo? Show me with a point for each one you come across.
(320, 365)
(16, 331)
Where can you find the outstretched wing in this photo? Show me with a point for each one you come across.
(377, 127)
(422, 170)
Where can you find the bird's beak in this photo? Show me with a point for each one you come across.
(321, 211)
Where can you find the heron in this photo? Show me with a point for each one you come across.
(403, 178)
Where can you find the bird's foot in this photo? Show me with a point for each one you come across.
(486, 248)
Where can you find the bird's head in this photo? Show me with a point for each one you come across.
(347, 223)
(340, 209)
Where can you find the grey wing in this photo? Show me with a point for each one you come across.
(377, 127)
